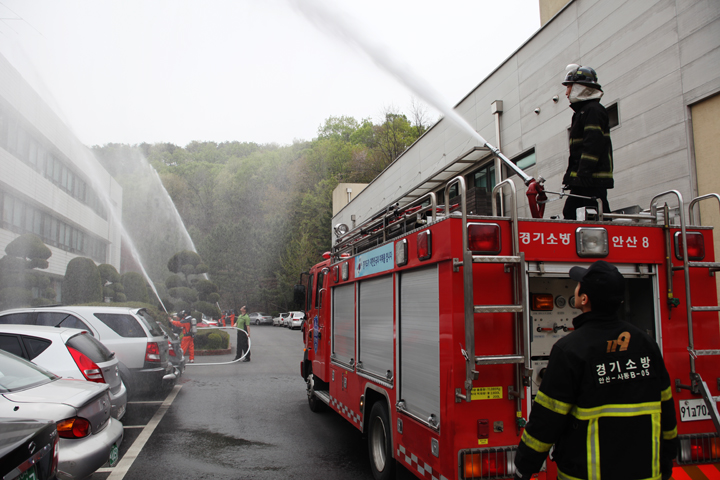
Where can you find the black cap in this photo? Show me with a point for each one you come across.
(603, 283)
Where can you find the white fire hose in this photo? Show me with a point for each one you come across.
(232, 361)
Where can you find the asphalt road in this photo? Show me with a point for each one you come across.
(240, 421)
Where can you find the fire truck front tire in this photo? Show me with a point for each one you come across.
(316, 405)
(380, 443)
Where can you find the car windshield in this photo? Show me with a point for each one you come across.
(17, 374)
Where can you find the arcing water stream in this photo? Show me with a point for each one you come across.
(336, 25)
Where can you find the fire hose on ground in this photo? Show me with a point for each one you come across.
(232, 361)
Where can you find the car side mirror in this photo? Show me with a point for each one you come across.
(299, 296)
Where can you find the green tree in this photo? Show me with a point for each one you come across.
(135, 287)
(82, 283)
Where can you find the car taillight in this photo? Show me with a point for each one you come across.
(89, 369)
(171, 350)
(491, 463)
(75, 427)
(484, 238)
(152, 352)
(699, 449)
(695, 246)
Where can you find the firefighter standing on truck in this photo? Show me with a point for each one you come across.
(590, 166)
(189, 328)
(605, 400)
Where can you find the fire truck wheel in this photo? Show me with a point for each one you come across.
(380, 443)
(316, 405)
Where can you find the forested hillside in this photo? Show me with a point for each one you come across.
(257, 214)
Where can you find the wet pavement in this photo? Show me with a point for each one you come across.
(246, 420)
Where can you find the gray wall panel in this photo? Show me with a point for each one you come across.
(419, 342)
(344, 323)
(375, 326)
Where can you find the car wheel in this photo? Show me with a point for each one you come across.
(382, 463)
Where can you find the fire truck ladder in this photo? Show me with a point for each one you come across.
(516, 261)
(697, 384)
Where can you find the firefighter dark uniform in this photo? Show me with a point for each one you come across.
(605, 403)
(590, 165)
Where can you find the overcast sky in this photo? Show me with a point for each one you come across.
(175, 71)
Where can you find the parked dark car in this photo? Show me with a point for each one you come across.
(28, 449)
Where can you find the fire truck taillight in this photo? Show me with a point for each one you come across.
(490, 463)
(699, 449)
(336, 274)
(591, 242)
(401, 257)
(424, 245)
(542, 302)
(695, 247)
(484, 238)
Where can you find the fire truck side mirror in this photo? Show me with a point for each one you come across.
(299, 296)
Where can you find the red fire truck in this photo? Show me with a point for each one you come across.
(429, 328)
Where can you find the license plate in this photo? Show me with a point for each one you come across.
(28, 474)
(692, 410)
(112, 461)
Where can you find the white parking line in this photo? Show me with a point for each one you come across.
(119, 471)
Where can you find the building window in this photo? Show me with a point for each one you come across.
(613, 115)
(525, 160)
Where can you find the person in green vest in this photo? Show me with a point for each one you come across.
(243, 322)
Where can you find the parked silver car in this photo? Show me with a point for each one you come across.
(69, 353)
(139, 344)
(89, 435)
(258, 318)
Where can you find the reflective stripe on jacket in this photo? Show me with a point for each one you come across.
(591, 157)
(606, 404)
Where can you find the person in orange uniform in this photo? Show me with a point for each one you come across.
(188, 340)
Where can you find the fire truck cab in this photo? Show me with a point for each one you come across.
(429, 329)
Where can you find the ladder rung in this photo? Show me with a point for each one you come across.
(494, 259)
(498, 359)
(705, 309)
(707, 352)
(704, 265)
(497, 308)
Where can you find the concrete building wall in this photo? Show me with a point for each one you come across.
(22, 108)
(654, 58)
(344, 193)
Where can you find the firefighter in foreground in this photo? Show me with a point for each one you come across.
(590, 166)
(189, 328)
(605, 400)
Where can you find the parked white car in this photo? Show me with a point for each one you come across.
(278, 321)
(89, 435)
(69, 353)
(296, 320)
(139, 344)
(260, 318)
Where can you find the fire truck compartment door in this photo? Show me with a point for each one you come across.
(343, 326)
(375, 326)
(419, 342)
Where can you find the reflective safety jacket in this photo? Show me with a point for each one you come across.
(606, 404)
(591, 157)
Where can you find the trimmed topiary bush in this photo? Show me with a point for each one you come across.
(82, 282)
(135, 288)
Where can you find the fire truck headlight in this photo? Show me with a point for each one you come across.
(591, 242)
(401, 257)
(341, 229)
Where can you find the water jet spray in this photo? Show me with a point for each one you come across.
(334, 24)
